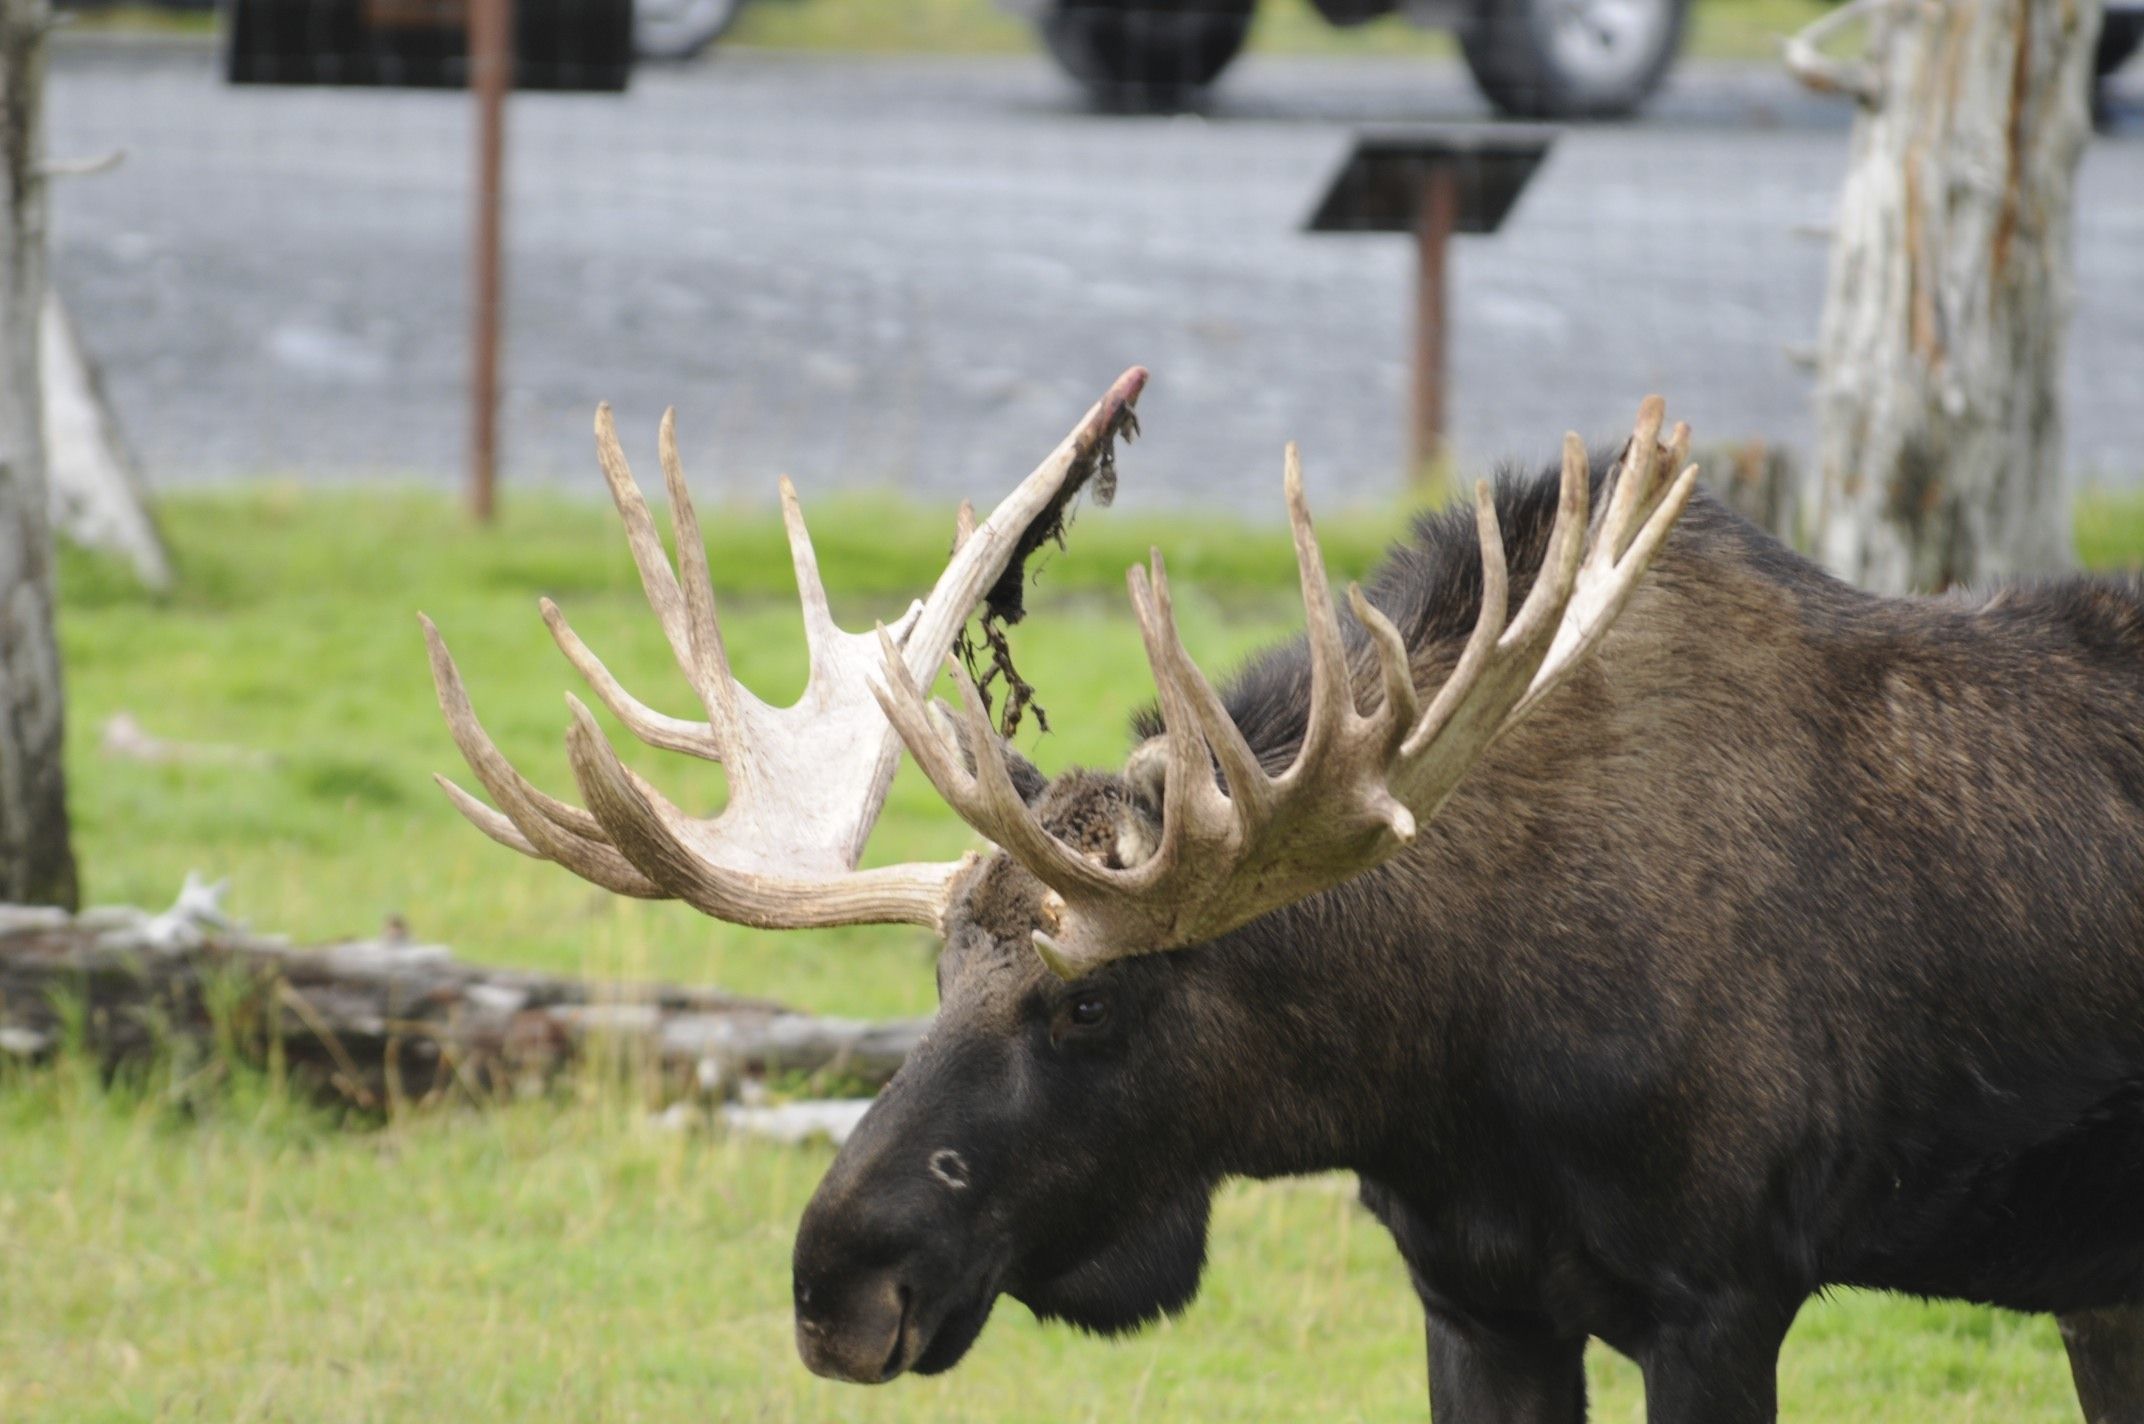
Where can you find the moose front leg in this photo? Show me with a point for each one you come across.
(1482, 1376)
(1721, 1368)
(2106, 1349)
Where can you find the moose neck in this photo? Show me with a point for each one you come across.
(1376, 1013)
(1341, 1011)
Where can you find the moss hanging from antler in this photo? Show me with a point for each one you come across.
(986, 651)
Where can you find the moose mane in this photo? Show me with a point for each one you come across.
(1429, 584)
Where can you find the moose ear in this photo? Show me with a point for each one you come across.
(1139, 816)
(1026, 778)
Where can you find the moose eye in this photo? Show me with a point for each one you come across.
(1079, 1017)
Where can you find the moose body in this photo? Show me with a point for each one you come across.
(1655, 959)
(1799, 940)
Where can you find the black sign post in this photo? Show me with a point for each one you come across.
(1431, 180)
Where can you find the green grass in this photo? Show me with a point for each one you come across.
(2110, 530)
(246, 1259)
(567, 1263)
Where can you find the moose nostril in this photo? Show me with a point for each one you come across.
(950, 1168)
(892, 1366)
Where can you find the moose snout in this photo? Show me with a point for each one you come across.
(883, 1258)
(858, 1331)
(863, 1278)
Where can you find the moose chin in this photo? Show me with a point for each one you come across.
(1661, 930)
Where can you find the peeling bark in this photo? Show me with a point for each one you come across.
(1939, 457)
(375, 1021)
(36, 859)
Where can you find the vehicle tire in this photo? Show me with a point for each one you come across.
(680, 29)
(1145, 55)
(2119, 36)
(1571, 59)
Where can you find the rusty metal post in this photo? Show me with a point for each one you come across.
(1435, 219)
(491, 59)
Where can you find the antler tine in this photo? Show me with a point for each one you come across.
(1249, 788)
(903, 702)
(656, 578)
(544, 826)
(1633, 486)
(485, 819)
(704, 660)
(981, 555)
(1671, 459)
(1332, 698)
(1679, 446)
(1193, 811)
(658, 836)
(609, 871)
(657, 729)
(1608, 581)
(1402, 703)
(699, 657)
(986, 798)
(630, 810)
(819, 629)
(1488, 628)
(1188, 770)
(1539, 614)
(996, 807)
(497, 774)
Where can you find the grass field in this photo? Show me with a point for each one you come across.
(244, 1258)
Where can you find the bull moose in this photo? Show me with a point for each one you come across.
(1660, 929)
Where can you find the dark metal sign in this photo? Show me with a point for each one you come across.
(1432, 180)
(557, 44)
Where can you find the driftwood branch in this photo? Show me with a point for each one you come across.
(386, 1018)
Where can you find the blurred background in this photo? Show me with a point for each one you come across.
(893, 249)
(888, 244)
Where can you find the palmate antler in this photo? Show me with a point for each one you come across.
(806, 782)
(1233, 849)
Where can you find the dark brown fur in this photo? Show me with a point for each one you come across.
(1798, 940)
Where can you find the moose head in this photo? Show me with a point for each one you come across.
(1127, 937)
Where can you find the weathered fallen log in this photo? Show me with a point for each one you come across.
(386, 1018)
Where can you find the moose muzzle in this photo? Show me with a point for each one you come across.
(859, 1331)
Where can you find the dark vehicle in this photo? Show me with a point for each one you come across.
(1536, 59)
(1660, 929)
(2121, 30)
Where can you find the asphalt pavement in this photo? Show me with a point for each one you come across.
(915, 273)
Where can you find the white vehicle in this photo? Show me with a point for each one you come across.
(1537, 59)
(680, 29)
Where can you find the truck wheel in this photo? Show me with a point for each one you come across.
(680, 29)
(1144, 54)
(1571, 59)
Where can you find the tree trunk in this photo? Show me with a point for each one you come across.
(36, 860)
(1939, 405)
(371, 1021)
(98, 500)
